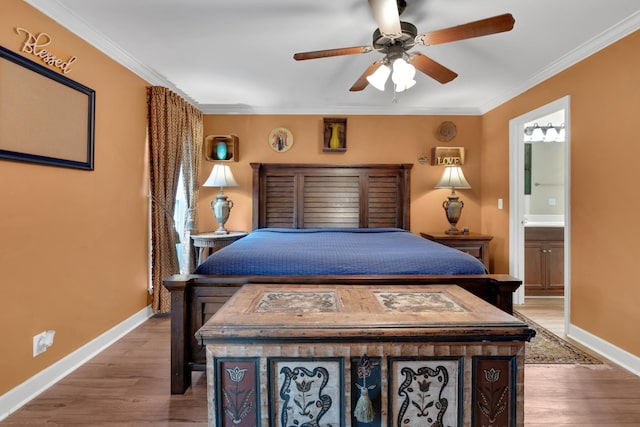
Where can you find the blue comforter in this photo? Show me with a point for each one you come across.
(284, 251)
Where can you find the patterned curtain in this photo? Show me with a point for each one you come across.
(169, 133)
(191, 155)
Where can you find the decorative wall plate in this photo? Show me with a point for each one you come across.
(446, 131)
(280, 139)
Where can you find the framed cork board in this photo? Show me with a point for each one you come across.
(45, 117)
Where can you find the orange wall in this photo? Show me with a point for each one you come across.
(73, 254)
(605, 107)
(370, 139)
(74, 243)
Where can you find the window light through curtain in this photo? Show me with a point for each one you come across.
(179, 218)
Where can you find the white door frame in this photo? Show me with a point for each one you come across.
(516, 195)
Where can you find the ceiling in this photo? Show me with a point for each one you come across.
(236, 56)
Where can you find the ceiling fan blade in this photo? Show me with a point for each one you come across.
(483, 27)
(431, 68)
(362, 81)
(385, 12)
(332, 52)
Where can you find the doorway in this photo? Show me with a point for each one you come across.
(520, 206)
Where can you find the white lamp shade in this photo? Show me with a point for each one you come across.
(453, 177)
(221, 176)
(379, 77)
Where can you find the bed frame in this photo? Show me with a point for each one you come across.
(310, 196)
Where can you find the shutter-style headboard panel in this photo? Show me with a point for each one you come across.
(336, 196)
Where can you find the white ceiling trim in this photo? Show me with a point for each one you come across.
(604, 39)
(394, 110)
(66, 17)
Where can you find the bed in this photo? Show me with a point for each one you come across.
(340, 251)
(293, 203)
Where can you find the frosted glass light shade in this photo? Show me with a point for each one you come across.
(551, 135)
(403, 74)
(404, 86)
(538, 134)
(561, 134)
(379, 77)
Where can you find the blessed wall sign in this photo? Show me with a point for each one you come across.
(34, 44)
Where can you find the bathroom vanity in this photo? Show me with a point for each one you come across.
(544, 261)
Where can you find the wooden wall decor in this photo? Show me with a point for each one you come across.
(447, 156)
(446, 131)
(334, 135)
(35, 45)
(221, 148)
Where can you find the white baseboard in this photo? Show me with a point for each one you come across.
(23, 393)
(615, 354)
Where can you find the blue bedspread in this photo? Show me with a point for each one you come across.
(283, 251)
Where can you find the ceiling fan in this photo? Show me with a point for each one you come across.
(394, 38)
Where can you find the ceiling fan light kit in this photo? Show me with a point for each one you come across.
(379, 77)
(402, 77)
(394, 38)
(403, 74)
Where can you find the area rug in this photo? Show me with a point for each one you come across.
(548, 348)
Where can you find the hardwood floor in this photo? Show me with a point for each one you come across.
(548, 312)
(125, 385)
(576, 395)
(128, 385)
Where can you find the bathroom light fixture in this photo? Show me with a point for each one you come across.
(453, 178)
(548, 133)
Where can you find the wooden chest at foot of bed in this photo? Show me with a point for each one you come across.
(375, 355)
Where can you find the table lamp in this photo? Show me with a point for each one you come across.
(453, 178)
(221, 176)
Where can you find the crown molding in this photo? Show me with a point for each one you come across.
(597, 43)
(65, 17)
(391, 110)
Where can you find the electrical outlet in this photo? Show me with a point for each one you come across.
(42, 342)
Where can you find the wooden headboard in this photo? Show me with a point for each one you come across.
(323, 195)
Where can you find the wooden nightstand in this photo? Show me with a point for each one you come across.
(475, 244)
(208, 243)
